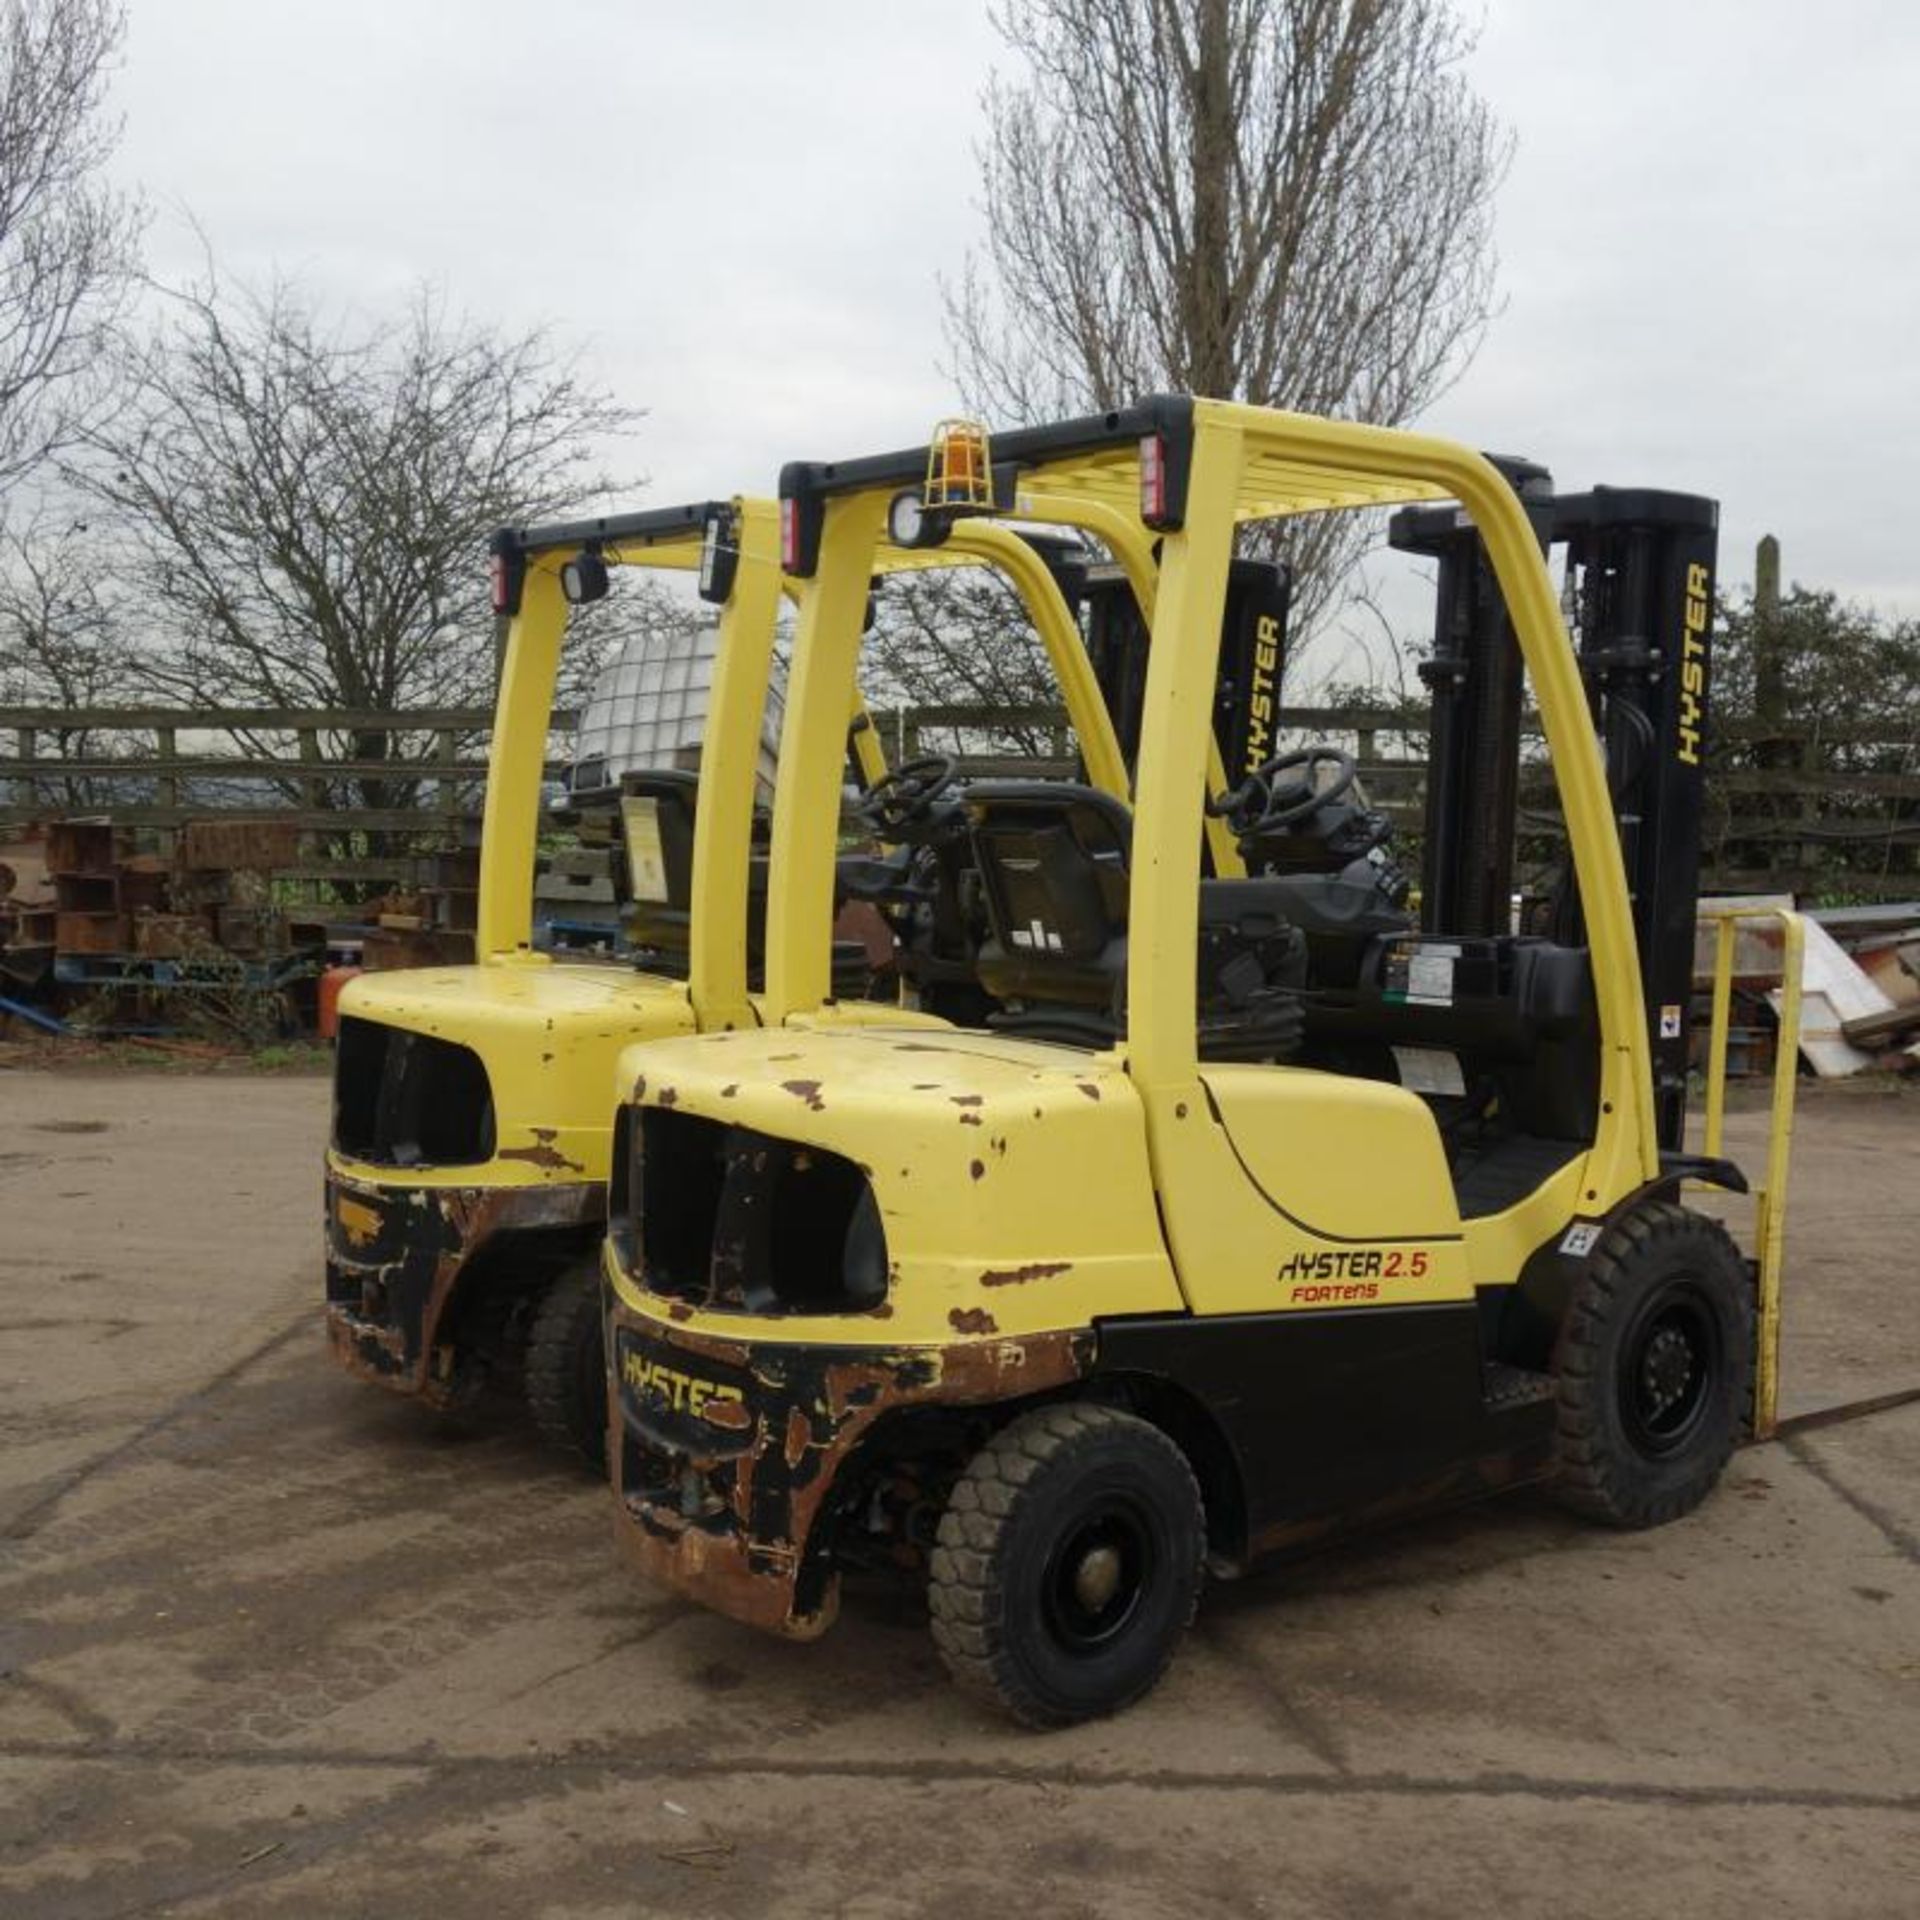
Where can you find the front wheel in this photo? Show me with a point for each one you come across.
(1654, 1365)
(1068, 1564)
(566, 1367)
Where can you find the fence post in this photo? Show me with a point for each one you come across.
(1808, 759)
(166, 789)
(449, 794)
(310, 751)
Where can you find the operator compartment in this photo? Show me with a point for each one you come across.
(1499, 1033)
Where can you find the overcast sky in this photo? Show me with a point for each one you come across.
(740, 211)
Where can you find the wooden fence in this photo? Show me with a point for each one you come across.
(1824, 808)
(369, 791)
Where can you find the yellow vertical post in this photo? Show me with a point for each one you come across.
(729, 768)
(1175, 734)
(1060, 636)
(806, 808)
(1770, 1209)
(516, 767)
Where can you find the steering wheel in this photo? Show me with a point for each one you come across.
(1259, 806)
(900, 801)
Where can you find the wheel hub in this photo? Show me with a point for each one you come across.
(1097, 1578)
(1667, 1370)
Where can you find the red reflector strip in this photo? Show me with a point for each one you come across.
(497, 581)
(1153, 478)
(790, 536)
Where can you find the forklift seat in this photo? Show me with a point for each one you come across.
(662, 914)
(1052, 859)
(1053, 863)
(660, 926)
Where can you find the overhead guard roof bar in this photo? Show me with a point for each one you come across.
(625, 529)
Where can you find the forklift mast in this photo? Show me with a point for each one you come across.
(1640, 580)
(1253, 640)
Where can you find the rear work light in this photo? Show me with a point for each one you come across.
(1153, 479)
(720, 557)
(506, 574)
(585, 578)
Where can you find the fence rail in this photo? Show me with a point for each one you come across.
(1790, 815)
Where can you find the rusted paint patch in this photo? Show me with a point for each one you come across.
(807, 1090)
(1019, 1276)
(396, 1257)
(966, 1099)
(543, 1153)
(972, 1320)
(639, 1086)
(731, 1415)
(1088, 1088)
(667, 1097)
(799, 1436)
(732, 1528)
(978, 1169)
(730, 1089)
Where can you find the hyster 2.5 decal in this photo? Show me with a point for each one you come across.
(1349, 1275)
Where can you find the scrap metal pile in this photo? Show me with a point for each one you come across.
(101, 936)
(1861, 1010)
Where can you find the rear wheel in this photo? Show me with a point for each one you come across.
(1068, 1564)
(1654, 1366)
(566, 1369)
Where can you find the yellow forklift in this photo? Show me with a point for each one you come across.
(466, 1177)
(1258, 1206)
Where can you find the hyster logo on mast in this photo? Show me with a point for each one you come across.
(1266, 661)
(1693, 663)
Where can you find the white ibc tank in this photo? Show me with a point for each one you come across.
(649, 704)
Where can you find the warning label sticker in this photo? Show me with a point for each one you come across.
(1430, 977)
(1430, 1070)
(646, 858)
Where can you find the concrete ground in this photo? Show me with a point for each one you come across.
(272, 1643)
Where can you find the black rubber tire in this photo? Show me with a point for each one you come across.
(566, 1368)
(999, 1584)
(1634, 1449)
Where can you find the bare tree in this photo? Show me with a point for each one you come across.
(1282, 201)
(962, 637)
(59, 637)
(304, 510)
(67, 240)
